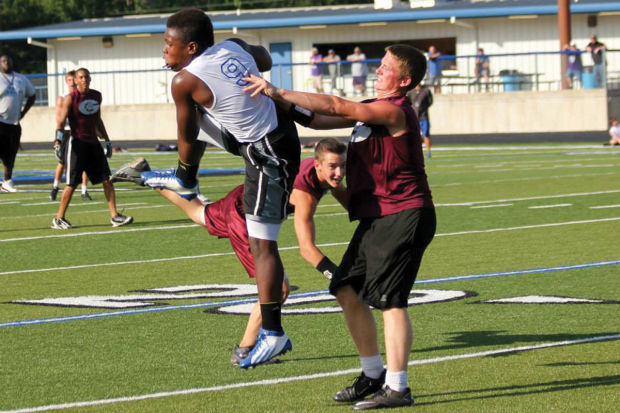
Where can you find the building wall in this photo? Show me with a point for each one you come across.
(510, 112)
(495, 35)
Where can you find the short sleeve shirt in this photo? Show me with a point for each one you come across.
(14, 88)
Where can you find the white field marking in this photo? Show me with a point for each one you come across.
(75, 204)
(121, 207)
(271, 382)
(531, 198)
(497, 181)
(605, 206)
(550, 206)
(331, 244)
(490, 206)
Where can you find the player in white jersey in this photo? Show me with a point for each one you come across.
(210, 82)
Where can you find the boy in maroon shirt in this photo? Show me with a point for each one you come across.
(389, 194)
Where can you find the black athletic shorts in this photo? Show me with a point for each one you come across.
(271, 164)
(66, 136)
(10, 136)
(83, 156)
(384, 255)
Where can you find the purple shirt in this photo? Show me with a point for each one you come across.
(385, 174)
(83, 115)
(314, 69)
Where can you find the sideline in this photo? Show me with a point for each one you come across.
(308, 376)
(160, 308)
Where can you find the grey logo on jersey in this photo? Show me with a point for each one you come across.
(232, 68)
(360, 133)
(88, 107)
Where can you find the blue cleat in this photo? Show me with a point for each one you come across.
(270, 344)
(169, 180)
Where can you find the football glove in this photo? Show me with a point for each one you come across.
(108, 149)
(58, 152)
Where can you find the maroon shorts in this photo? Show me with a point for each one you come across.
(226, 219)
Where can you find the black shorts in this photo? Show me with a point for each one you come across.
(10, 136)
(83, 156)
(66, 136)
(384, 255)
(271, 164)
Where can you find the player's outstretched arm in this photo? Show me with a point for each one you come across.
(193, 208)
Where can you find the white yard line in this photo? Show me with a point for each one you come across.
(272, 382)
(530, 198)
(605, 206)
(333, 244)
(490, 206)
(549, 206)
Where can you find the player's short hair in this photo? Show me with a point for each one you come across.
(331, 145)
(412, 61)
(193, 25)
(70, 73)
(83, 69)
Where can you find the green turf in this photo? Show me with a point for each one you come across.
(489, 221)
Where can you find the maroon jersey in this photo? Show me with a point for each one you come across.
(385, 174)
(83, 115)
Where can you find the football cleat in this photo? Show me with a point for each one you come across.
(120, 220)
(53, 194)
(61, 223)
(362, 386)
(386, 398)
(238, 354)
(86, 196)
(169, 180)
(130, 172)
(269, 344)
(7, 186)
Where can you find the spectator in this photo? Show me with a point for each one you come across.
(481, 69)
(574, 66)
(333, 67)
(434, 68)
(421, 99)
(597, 51)
(614, 133)
(14, 88)
(359, 71)
(315, 70)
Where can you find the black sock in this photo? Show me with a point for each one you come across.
(272, 316)
(187, 173)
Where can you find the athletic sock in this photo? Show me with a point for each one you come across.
(272, 316)
(372, 366)
(84, 189)
(55, 185)
(187, 173)
(397, 380)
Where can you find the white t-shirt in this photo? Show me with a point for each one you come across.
(358, 68)
(14, 88)
(221, 67)
(616, 130)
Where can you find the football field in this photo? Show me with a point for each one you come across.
(515, 309)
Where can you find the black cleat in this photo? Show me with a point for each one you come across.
(362, 386)
(120, 220)
(86, 196)
(386, 398)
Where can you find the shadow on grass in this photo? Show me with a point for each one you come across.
(471, 339)
(520, 390)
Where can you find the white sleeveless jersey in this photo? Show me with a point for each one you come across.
(221, 67)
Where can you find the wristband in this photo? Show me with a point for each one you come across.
(59, 135)
(300, 115)
(327, 268)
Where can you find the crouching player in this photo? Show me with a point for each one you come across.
(226, 218)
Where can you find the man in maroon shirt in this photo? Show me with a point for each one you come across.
(226, 219)
(389, 194)
(83, 108)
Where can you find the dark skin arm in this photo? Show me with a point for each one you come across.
(28, 105)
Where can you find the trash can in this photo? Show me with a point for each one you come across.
(587, 78)
(511, 80)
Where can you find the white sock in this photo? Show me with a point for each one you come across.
(372, 366)
(397, 380)
(84, 189)
(56, 183)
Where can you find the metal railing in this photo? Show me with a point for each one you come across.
(535, 71)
